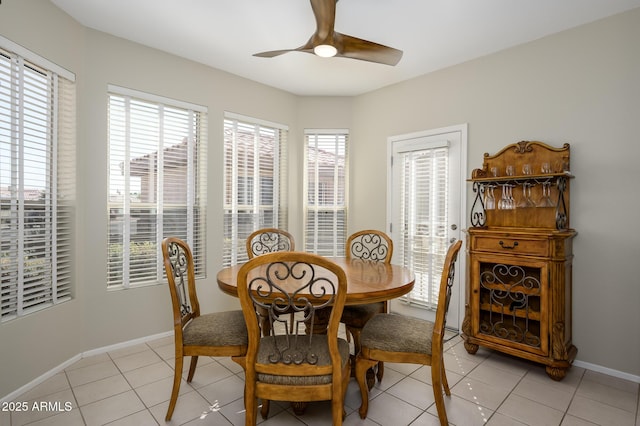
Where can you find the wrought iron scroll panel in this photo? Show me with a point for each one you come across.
(510, 303)
(273, 295)
(479, 210)
(370, 247)
(270, 242)
(450, 278)
(179, 266)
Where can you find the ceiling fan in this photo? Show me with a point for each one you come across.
(326, 42)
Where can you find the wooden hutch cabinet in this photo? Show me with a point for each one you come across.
(519, 250)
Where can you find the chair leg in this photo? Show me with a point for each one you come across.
(251, 411)
(264, 411)
(362, 365)
(177, 377)
(436, 380)
(445, 383)
(380, 371)
(250, 399)
(192, 368)
(355, 333)
(346, 377)
(265, 325)
(337, 410)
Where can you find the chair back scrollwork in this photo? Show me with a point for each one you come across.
(446, 285)
(269, 240)
(370, 245)
(179, 257)
(310, 294)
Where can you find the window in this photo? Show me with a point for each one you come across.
(37, 182)
(325, 209)
(255, 194)
(157, 184)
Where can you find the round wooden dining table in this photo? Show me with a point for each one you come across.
(367, 281)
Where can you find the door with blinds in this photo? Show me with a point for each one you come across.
(426, 205)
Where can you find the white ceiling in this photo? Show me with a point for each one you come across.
(433, 34)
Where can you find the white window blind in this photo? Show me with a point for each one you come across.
(255, 194)
(325, 208)
(423, 189)
(37, 182)
(157, 184)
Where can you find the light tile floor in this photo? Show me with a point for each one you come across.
(132, 387)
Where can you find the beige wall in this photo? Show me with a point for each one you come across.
(37, 343)
(580, 86)
(33, 345)
(110, 60)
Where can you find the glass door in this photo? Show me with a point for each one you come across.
(426, 210)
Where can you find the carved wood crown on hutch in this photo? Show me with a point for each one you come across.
(534, 153)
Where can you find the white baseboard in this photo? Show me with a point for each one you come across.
(38, 380)
(607, 371)
(126, 344)
(35, 382)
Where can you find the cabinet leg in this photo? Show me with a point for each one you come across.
(471, 347)
(556, 373)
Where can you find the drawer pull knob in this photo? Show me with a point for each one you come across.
(515, 244)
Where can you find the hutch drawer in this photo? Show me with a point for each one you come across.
(512, 245)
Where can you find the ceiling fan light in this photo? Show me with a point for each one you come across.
(325, 50)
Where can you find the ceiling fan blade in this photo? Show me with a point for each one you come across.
(357, 48)
(273, 53)
(325, 13)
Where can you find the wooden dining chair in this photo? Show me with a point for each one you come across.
(195, 334)
(298, 366)
(404, 339)
(269, 240)
(369, 245)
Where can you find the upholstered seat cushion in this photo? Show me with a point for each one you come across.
(319, 347)
(358, 315)
(216, 329)
(397, 333)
